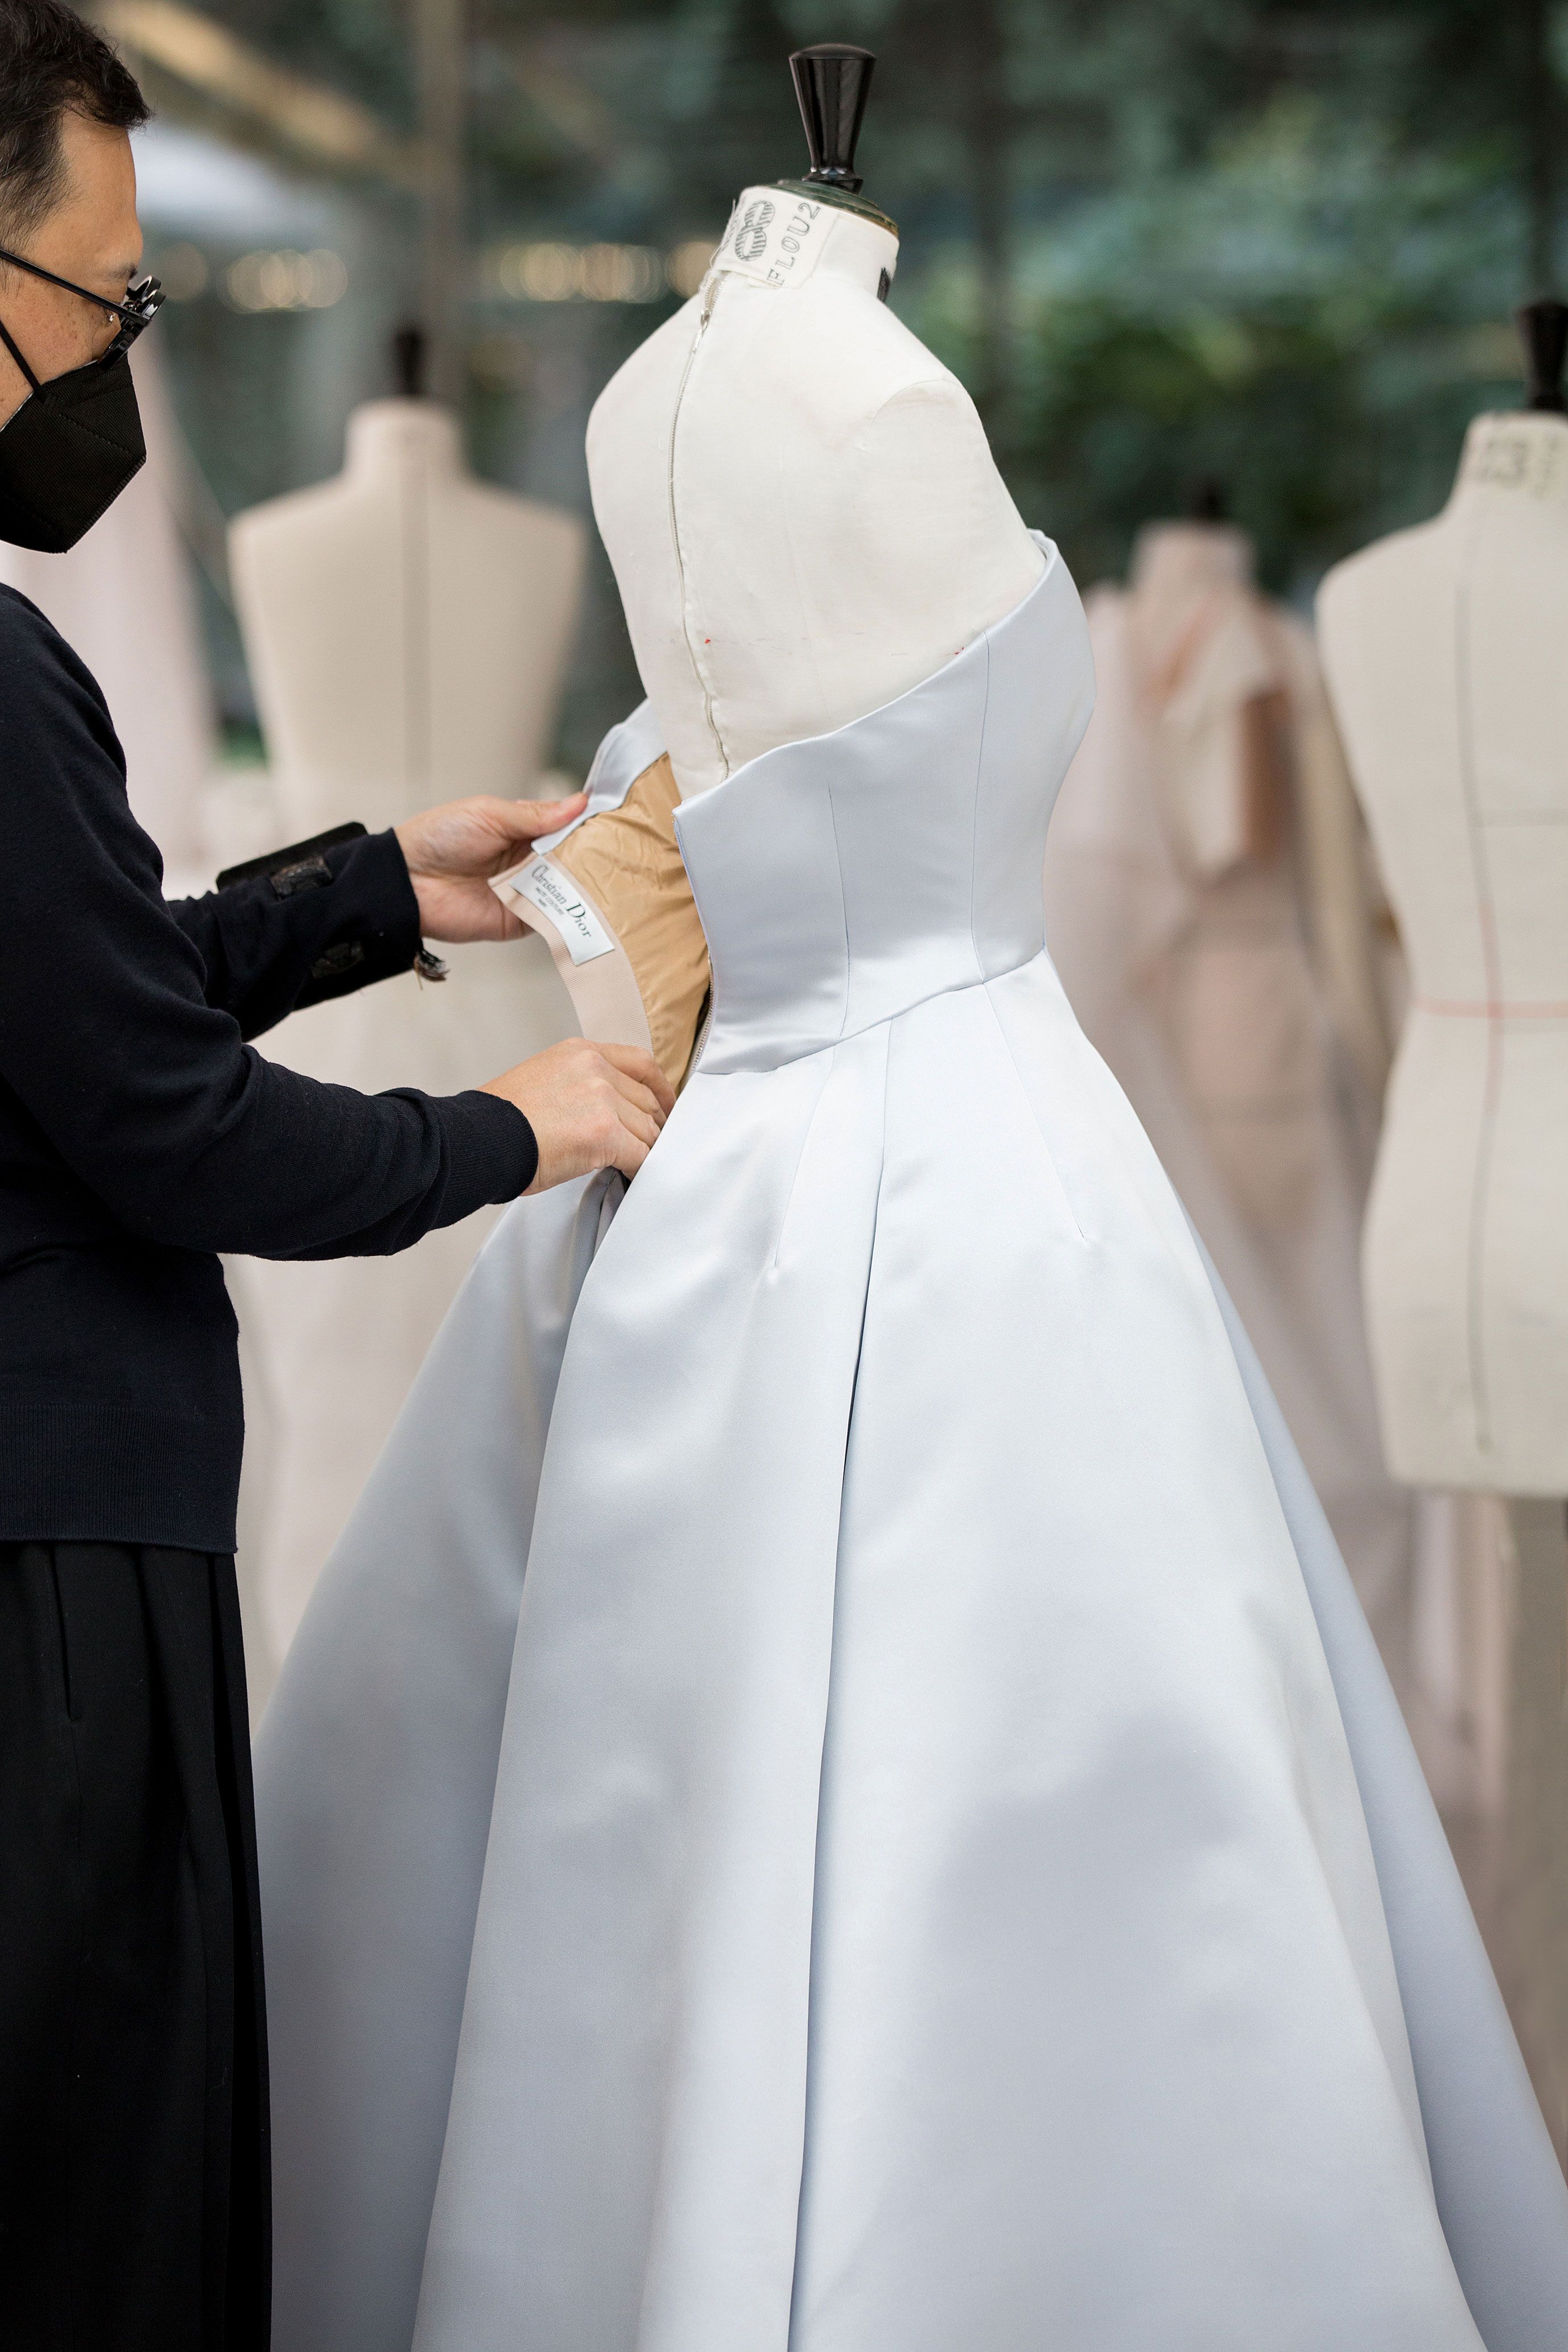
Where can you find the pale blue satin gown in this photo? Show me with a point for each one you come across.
(835, 1796)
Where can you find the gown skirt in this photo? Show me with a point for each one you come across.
(835, 1796)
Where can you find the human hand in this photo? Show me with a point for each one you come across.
(452, 851)
(589, 1106)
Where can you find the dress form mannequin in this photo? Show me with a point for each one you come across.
(407, 628)
(1209, 907)
(830, 527)
(1443, 647)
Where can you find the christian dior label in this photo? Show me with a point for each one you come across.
(554, 895)
(774, 238)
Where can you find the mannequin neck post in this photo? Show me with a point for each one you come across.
(386, 436)
(785, 235)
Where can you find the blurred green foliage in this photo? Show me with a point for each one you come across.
(1268, 244)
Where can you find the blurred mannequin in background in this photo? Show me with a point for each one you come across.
(405, 625)
(1443, 651)
(1210, 910)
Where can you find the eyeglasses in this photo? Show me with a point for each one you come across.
(142, 304)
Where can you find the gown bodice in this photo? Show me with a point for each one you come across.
(845, 878)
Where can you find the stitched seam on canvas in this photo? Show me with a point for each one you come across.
(1475, 1268)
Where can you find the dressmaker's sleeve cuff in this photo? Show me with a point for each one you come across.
(492, 1152)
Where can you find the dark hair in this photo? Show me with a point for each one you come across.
(51, 63)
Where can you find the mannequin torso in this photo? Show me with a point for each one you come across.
(406, 626)
(1209, 910)
(798, 501)
(1443, 647)
(804, 521)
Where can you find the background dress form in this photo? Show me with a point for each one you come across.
(1443, 647)
(1209, 910)
(408, 629)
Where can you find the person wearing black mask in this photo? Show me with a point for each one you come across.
(140, 1134)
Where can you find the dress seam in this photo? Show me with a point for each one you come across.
(985, 980)
(1068, 1201)
(790, 2345)
(844, 914)
(810, 1129)
(975, 813)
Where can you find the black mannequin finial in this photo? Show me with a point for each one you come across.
(1544, 330)
(833, 83)
(1209, 503)
(408, 362)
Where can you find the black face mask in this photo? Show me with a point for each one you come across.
(68, 452)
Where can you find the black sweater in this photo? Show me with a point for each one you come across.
(138, 1134)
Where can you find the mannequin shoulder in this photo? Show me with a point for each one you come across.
(1361, 585)
(834, 348)
(285, 530)
(924, 419)
(275, 518)
(827, 355)
(542, 533)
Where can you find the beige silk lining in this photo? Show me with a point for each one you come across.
(627, 863)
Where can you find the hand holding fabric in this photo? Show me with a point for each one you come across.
(452, 851)
(590, 1107)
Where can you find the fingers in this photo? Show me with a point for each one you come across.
(624, 1114)
(517, 816)
(630, 1152)
(642, 1097)
(592, 1106)
(523, 819)
(633, 1063)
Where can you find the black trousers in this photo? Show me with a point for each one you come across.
(134, 2210)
